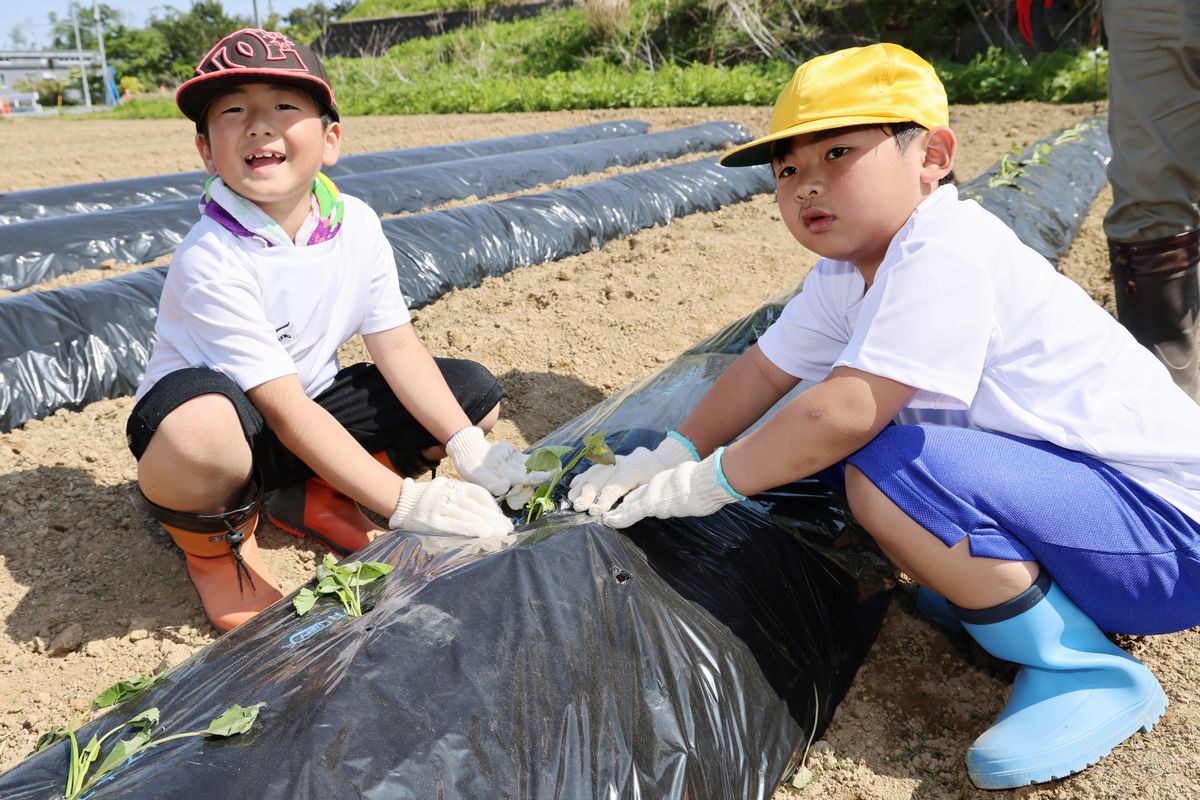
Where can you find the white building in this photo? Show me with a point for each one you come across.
(18, 66)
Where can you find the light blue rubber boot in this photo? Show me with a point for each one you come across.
(1075, 698)
(937, 609)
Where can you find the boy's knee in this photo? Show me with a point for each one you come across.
(202, 441)
(474, 386)
(475, 379)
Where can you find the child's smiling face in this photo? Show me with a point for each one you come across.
(268, 142)
(844, 193)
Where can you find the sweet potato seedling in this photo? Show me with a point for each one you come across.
(549, 458)
(342, 580)
(231, 722)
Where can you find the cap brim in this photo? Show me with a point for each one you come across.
(759, 151)
(194, 96)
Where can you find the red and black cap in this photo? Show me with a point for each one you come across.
(252, 55)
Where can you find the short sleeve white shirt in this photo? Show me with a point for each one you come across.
(980, 324)
(257, 313)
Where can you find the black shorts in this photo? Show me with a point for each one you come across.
(359, 398)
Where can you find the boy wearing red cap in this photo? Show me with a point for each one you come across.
(244, 394)
(1061, 495)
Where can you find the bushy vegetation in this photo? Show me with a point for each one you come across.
(636, 53)
(1000, 75)
(369, 9)
(167, 49)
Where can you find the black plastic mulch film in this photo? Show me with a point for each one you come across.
(679, 659)
(86, 198)
(1045, 192)
(34, 251)
(690, 658)
(68, 347)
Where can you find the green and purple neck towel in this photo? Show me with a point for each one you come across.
(243, 218)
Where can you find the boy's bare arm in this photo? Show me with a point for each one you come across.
(820, 427)
(414, 377)
(741, 395)
(319, 440)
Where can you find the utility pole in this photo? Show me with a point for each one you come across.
(87, 93)
(257, 24)
(103, 61)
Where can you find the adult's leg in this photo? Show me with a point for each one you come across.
(1153, 225)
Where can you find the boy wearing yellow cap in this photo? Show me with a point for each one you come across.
(244, 394)
(1061, 495)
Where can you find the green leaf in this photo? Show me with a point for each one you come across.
(326, 567)
(596, 449)
(121, 751)
(55, 734)
(303, 602)
(545, 459)
(235, 720)
(606, 457)
(123, 690)
(537, 506)
(370, 571)
(145, 720)
(594, 442)
(802, 778)
(329, 585)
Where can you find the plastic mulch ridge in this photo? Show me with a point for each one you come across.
(35, 251)
(65, 348)
(688, 658)
(85, 198)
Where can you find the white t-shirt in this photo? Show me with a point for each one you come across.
(256, 313)
(977, 322)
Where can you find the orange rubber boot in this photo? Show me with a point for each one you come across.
(228, 571)
(317, 510)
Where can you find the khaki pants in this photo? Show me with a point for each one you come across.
(1154, 118)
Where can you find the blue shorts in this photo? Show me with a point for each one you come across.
(1128, 558)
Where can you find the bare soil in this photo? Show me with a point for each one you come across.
(92, 592)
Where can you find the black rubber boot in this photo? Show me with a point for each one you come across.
(1158, 300)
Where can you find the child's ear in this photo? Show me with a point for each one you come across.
(205, 153)
(940, 145)
(333, 143)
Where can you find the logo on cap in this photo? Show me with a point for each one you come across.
(253, 49)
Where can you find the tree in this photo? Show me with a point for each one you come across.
(138, 52)
(189, 34)
(306, 23)
(63, 28)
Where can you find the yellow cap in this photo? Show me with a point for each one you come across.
(879, 83)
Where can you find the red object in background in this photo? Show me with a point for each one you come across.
(1032, 23)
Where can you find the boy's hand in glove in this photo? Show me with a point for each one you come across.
(444, 505)
(496, 466)
(692, 489)
(602, 485)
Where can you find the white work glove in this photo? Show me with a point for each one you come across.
(496, 466)
(693, 489)
(444, 505)
(602, 485)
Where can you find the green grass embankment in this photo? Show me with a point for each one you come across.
(568, 59)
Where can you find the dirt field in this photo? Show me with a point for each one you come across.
(92, 592)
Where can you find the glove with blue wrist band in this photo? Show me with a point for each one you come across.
(602, 485)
